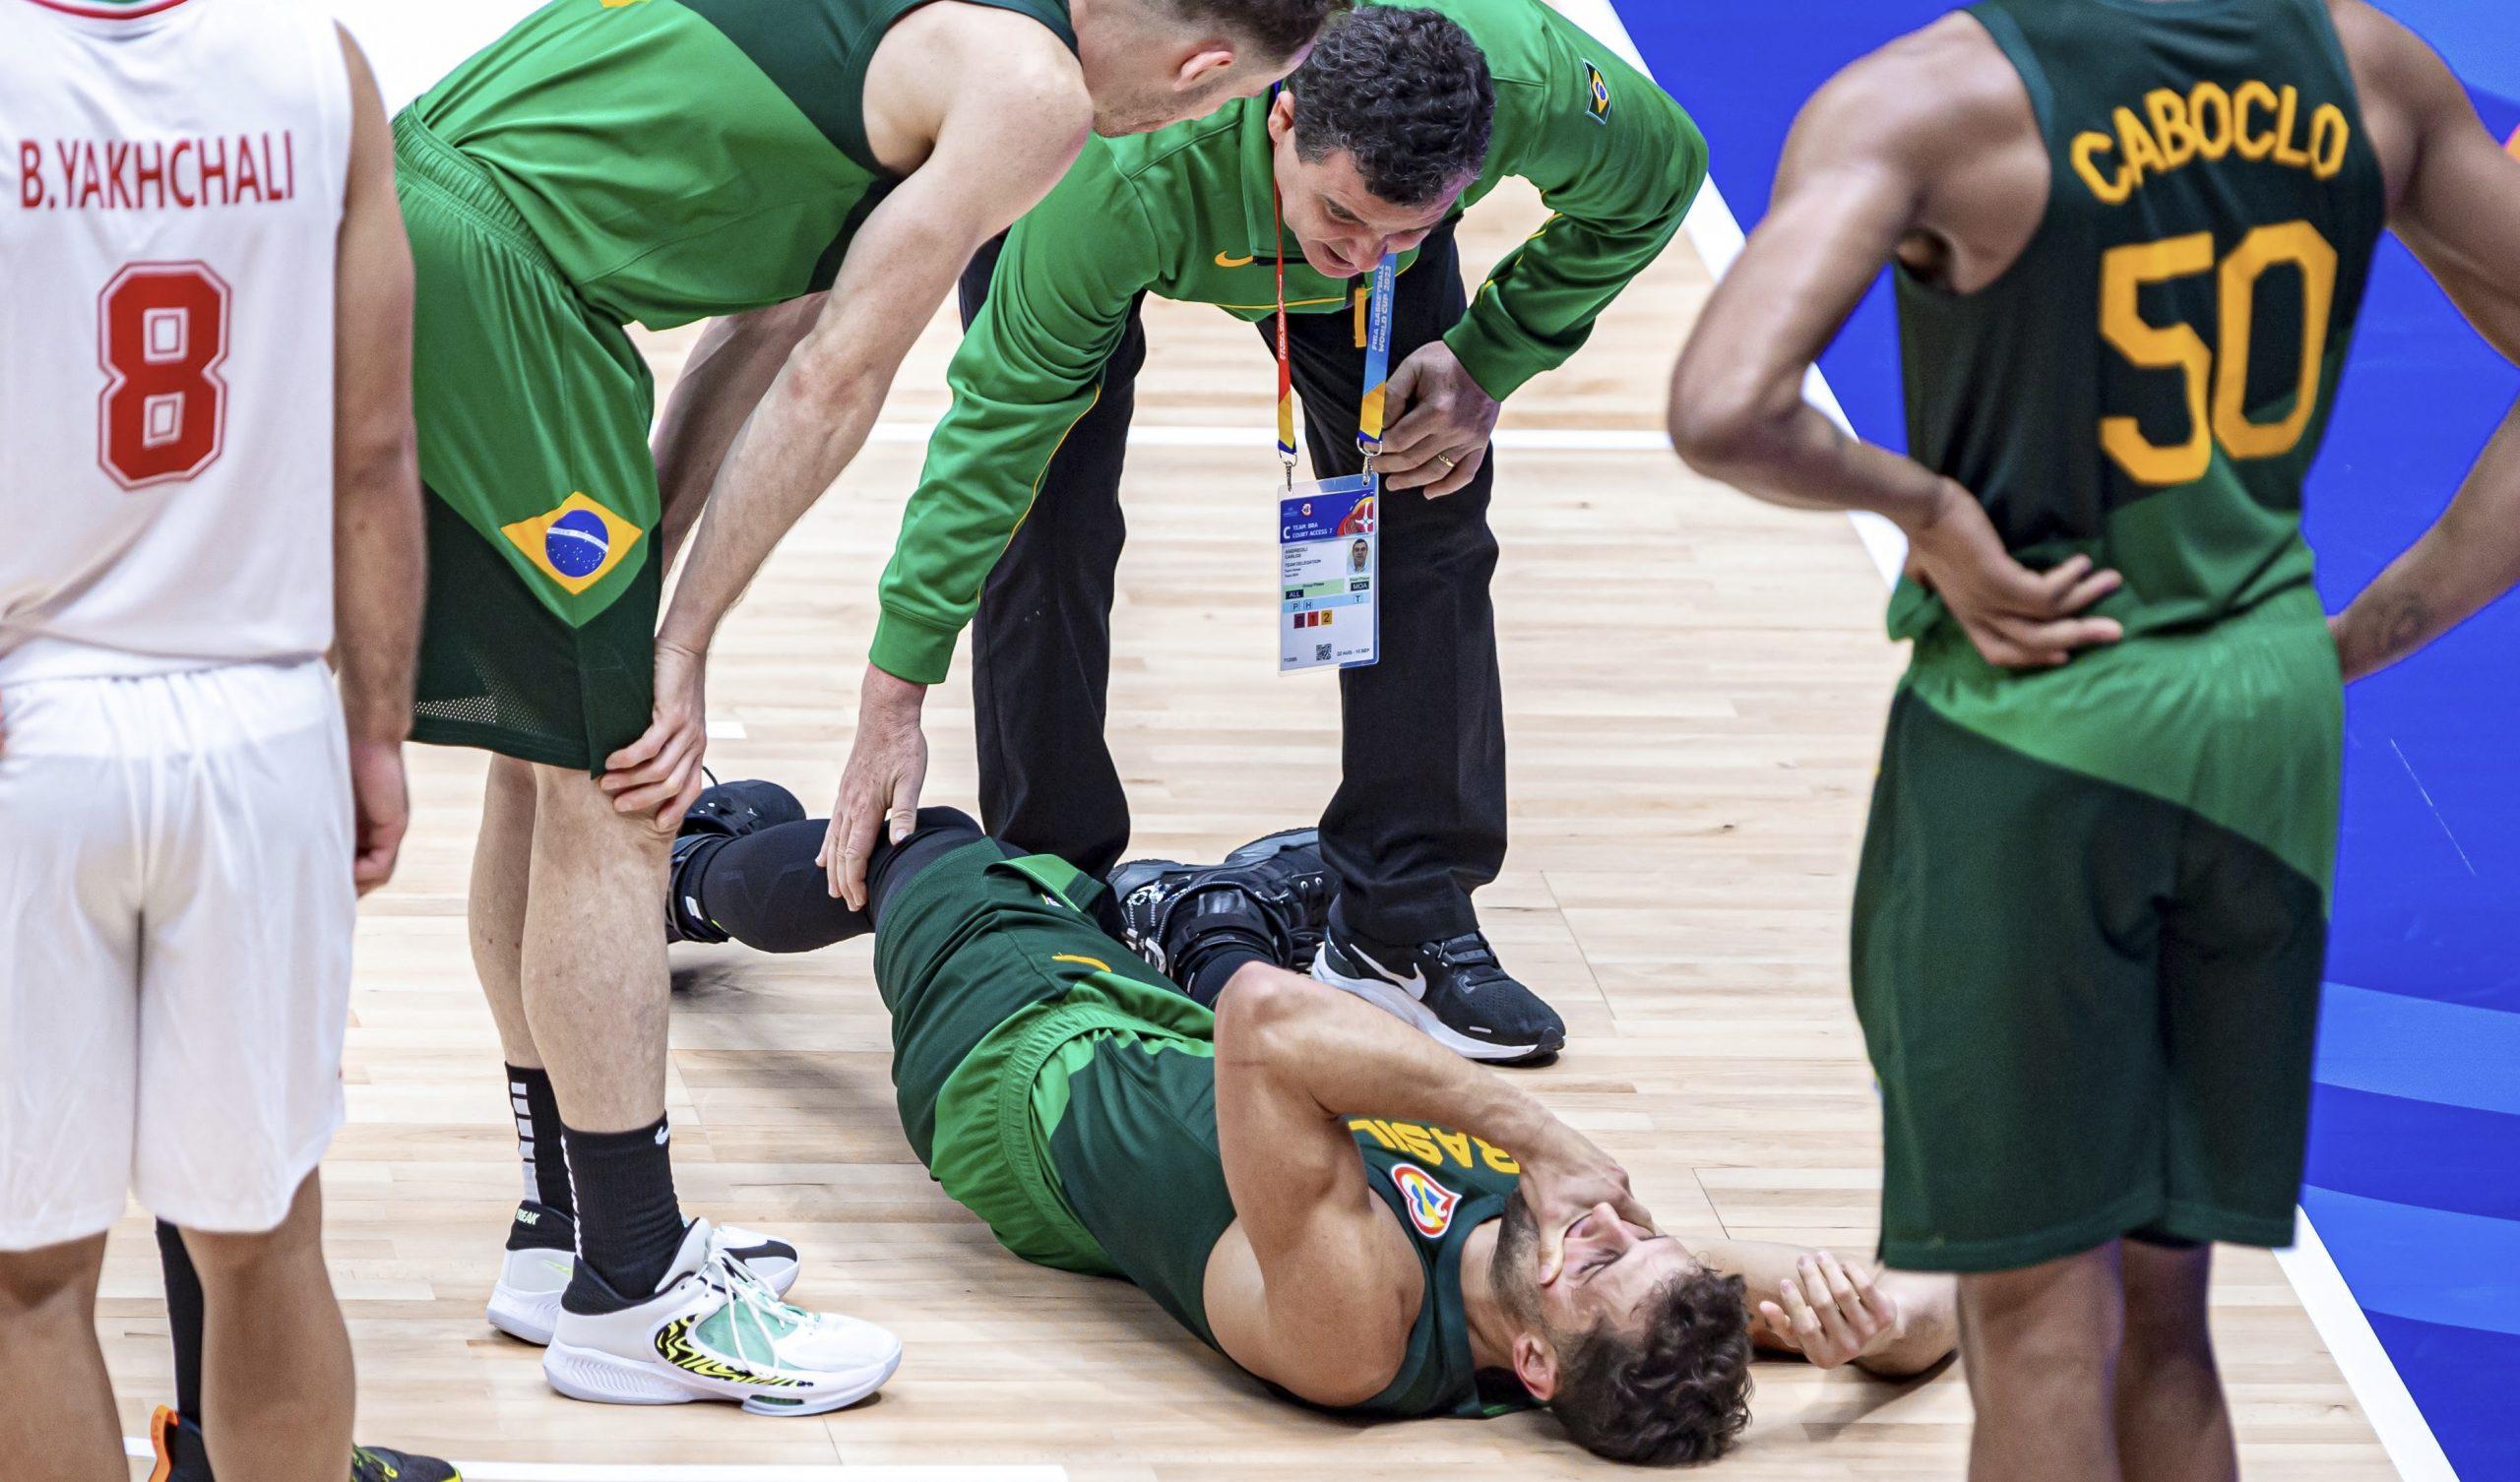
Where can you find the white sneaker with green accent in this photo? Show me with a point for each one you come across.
(715, 1330)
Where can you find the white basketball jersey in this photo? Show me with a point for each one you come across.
(172, 175)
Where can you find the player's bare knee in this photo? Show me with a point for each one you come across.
(225, 1255)
(1258, 1006)
(573, 812)
(54, 1281)
(2168, 1325)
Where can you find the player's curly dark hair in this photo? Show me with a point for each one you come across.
(1280, 28)
(1406, 92)
(1671, 1384)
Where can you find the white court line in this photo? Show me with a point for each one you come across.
(2404, 1433)
(1717, 236)
(596, 1471)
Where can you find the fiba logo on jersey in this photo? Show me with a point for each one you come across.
(576, 543)
(1429, 1203)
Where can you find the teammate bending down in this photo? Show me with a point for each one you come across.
(1349, 1212)
(818, 172)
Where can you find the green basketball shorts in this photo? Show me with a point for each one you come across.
(1002, 989)
(2089, 932)
(538, 640)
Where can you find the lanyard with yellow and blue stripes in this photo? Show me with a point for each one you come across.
(1369, 416)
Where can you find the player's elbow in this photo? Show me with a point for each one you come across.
(1720, 420)
(379, 459)
(826, 377)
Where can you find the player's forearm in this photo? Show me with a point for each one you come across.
(1350, 1059)
(2468, 558)
(729, 372)
(1783, 450)
(810, 424)
(379, 582)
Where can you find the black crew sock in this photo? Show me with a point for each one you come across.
(629, 1223)
(538, 1139)
(183, 1318)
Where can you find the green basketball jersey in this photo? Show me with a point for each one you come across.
(683, 159)
(1136, 1158)
(2150, 383)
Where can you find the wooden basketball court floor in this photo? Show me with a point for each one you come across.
(1694, 686)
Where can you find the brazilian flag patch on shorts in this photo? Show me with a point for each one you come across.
(576, 543)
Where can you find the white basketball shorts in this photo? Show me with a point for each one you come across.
(175, 918)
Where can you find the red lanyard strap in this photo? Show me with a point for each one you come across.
(1286, 360)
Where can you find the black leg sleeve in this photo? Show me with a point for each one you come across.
(1419, 821)
(1042, 640)
(183, 1318)
(764, 890)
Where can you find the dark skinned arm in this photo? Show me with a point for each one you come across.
(1856, 188)
(2455, 202)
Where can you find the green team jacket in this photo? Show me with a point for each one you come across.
(1187, 214)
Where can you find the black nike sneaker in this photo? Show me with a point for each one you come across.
(1454, 990)
(1282, 875)
(183, 1457)
(723, 811)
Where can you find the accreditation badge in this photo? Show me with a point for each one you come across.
(1330, 575)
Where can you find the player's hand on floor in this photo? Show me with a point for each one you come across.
(1443, 419)
(880, 786)
(381, 809)
(1564, 1182)
(2018, 618)
(659, 772)
(1830, 1311)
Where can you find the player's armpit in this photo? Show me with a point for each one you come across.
(1315, 1289)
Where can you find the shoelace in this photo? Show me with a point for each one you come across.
(750, 1298)
(1473, 960)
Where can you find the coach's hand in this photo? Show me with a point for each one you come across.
(381, 809)
(879, 788)
(659, 772)
(1442, 420)
(1565, 1178)
(2018, 618)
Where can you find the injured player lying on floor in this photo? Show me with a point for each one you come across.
(1349, 1212)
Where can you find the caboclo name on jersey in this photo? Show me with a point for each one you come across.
(2255, 120)
(158, 174)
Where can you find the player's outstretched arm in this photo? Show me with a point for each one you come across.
(1001, 141)
(1833, 1310)
(378, 549)
(2455, 202)
(1858, 183)
(1324, 1305)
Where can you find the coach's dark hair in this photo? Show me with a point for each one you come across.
(1281, 27)
(1404, 90)
(1673, 1387)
